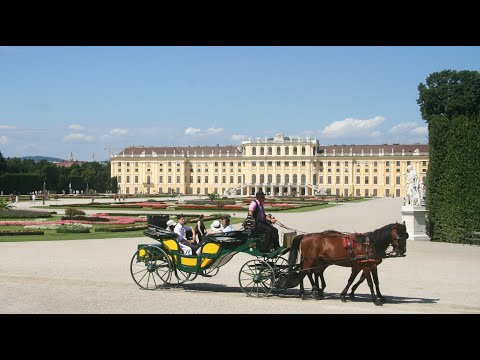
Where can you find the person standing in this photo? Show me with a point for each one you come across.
(263, 224)
(200, 229)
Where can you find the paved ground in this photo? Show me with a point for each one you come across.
(93, 276)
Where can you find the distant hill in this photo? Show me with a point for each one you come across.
(40, 158)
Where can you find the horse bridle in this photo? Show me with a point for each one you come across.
(395, 243)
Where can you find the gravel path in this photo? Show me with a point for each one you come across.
(93, 276)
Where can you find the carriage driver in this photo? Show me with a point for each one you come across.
(263, 223)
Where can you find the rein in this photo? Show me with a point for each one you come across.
(289, 228)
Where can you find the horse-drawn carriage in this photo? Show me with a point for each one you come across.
(157, 265)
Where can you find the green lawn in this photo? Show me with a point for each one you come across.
(53, 235)
(50, 235)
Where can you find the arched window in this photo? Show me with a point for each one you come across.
(262, 151)
(254, 179)
(269, 177)
(294, 150)
(314, 179)
(294, 179)
(303, 150)
(148, 179)
(279, 179)
(287, 179)
(254, 151)
(270, 150)
(262, 178)
(278, 150)
(304, 179)
(287, 150)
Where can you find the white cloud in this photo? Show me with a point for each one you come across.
(77, 137)
(3, 140)
(118, 131)
(421, 130)
(192, 131)
(402, 128)
(200, 132)
(7, 127)
(238, 137)
(352, 127)
(76, 127)
(213, 131)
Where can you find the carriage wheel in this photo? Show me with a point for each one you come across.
(181, 276)
(256, 278)
(280, 268)
(150, 267)
(210, 272)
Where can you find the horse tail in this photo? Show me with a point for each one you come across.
(292, 258)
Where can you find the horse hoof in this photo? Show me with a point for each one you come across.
(378, 302)
(343, 299)
(352, 296)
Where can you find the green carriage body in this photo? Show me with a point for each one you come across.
(155, 265)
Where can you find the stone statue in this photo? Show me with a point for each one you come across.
(421, 190)
(413, 194)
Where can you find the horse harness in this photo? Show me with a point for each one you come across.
(348, 243)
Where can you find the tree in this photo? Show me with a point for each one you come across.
(3, 164)
(114, 184)
(450, 104)
(450, 93)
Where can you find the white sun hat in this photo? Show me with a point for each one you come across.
(171, 222)
(216, 225)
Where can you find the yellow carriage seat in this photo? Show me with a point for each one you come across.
(209, 254)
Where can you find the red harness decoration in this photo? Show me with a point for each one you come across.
(348, 244)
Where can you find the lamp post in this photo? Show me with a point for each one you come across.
(43, 197)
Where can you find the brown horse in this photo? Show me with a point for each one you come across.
(361, 252)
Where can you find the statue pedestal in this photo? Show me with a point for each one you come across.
(414, 217)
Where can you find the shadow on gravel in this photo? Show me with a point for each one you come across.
(366, 298)
(293, 293)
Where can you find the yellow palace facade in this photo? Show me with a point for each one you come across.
(280, 165)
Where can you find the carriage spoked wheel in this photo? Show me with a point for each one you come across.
(181, 276)
(280, 269)
(256, 278)
(150, 267)
(210, 272)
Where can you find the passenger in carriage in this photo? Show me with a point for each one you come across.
(262, 222)
(226, 227)
(188, 246)
(216, 226)
(184, 249)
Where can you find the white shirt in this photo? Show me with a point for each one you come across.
(181, 231)
(228, 228)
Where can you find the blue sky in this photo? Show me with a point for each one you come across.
(93, 101)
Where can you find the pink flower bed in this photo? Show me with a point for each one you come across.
(110, 220)
(207, 207)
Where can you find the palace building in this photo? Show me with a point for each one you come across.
(280, 165)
